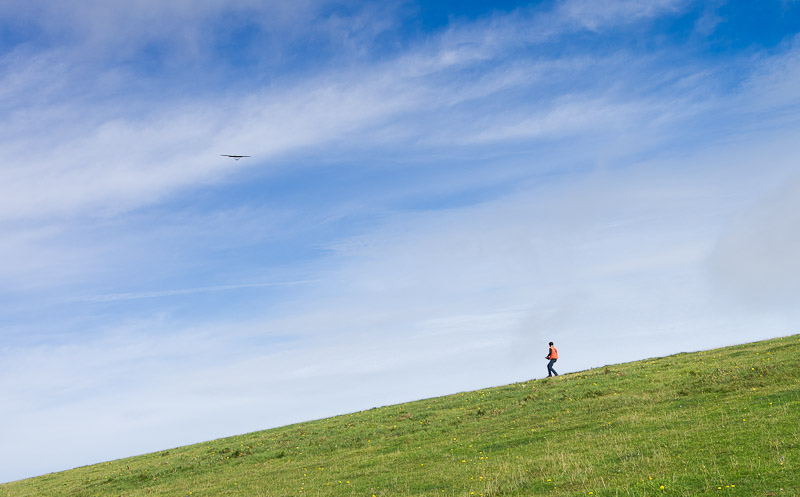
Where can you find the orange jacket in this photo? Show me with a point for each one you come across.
(553, 353)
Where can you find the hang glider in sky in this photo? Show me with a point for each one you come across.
(234, 157)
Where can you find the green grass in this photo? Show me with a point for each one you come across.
(722, 422)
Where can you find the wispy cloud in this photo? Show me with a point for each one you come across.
(595, 16)
(106, 157)
(103, 158)
(112, 297)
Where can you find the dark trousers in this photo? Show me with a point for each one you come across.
(550, 370)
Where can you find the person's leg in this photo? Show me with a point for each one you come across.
(550, 370)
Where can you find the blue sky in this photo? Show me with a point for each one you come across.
(436, 190)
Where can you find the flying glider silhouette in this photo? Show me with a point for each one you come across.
(234, 157)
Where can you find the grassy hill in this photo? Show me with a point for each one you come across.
(722, 422)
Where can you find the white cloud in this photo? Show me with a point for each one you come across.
(103, 157)
(773, 88)
(755, 262)
(112, 297)
(596, 15)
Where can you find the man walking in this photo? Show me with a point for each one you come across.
(553, 356)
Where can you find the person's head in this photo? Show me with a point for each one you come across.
(551, 344)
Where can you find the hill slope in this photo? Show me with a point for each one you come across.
(720, 422)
